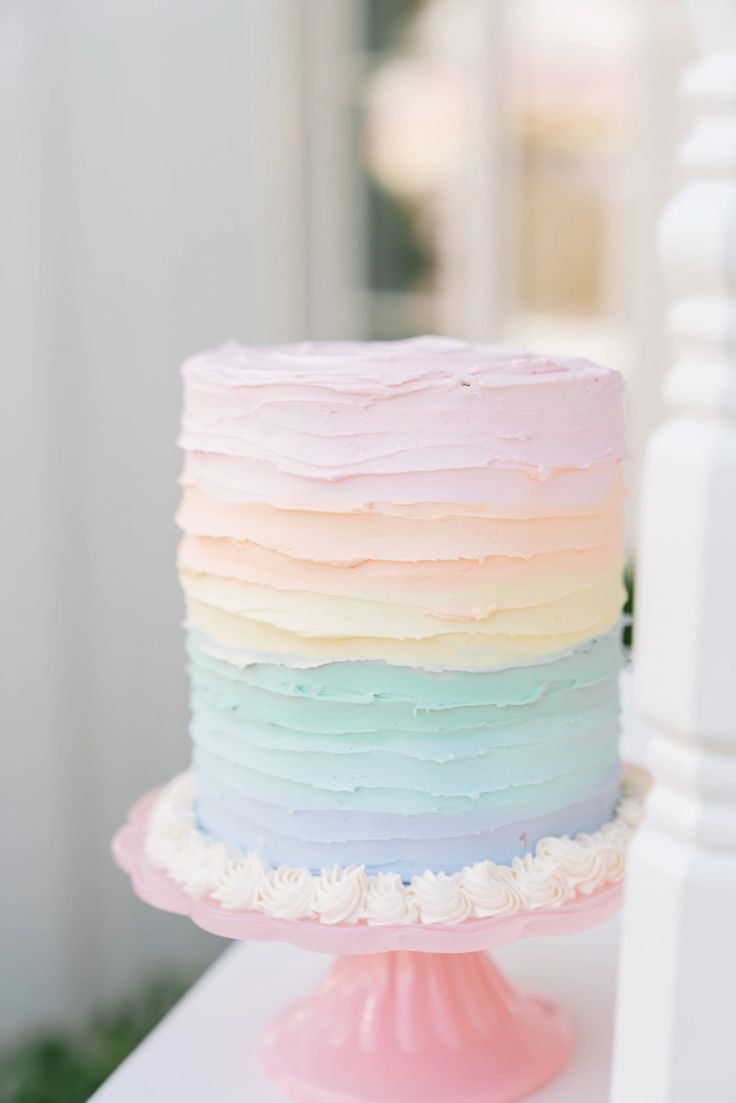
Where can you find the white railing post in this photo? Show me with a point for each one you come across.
(677, 991)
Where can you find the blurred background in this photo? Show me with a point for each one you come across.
(178, 172)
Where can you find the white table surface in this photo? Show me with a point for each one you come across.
(206, 1048)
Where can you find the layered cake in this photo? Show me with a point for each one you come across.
(402, 568)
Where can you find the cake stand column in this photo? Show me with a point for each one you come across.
(406, 1027)
(675, 1017)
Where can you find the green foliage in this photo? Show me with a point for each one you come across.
(386, 21)
(629, 582)
(58, 1066)
(398, 258)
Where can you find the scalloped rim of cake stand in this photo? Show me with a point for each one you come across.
(157, 889)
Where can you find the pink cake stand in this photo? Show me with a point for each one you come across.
(407, 1014)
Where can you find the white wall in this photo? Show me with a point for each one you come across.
(154, 203)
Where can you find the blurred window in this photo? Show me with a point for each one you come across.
(560, 113)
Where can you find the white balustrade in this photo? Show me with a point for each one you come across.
(677, 991)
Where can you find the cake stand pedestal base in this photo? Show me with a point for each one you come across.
(404, 1027)
(415, 1013)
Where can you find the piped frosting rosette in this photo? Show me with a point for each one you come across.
(402, 569)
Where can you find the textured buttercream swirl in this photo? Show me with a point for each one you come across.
(492, 890)
(387, 903)
(338, 895)
(439, 898)
(287, 893)
(240, 883)
(546, 883)
(585, 860)
(560, 868)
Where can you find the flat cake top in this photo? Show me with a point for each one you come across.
(334, 410)
(388, 366)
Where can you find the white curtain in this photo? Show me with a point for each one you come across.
(154, 202)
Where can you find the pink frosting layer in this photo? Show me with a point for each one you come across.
(400, 422)
(492, 491)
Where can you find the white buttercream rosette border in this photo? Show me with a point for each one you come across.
(558, 870)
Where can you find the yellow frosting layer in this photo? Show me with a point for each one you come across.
(328, 617)
(463, 589)
(255, 641)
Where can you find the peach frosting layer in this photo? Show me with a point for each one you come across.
(355, 537)
(457, 589)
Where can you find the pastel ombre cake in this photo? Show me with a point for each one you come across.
(402, 569)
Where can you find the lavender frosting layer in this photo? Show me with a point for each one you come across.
(406, 845)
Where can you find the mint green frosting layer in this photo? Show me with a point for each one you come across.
(316, 763)
(379, 683)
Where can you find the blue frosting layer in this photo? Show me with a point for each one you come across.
(387, 841)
